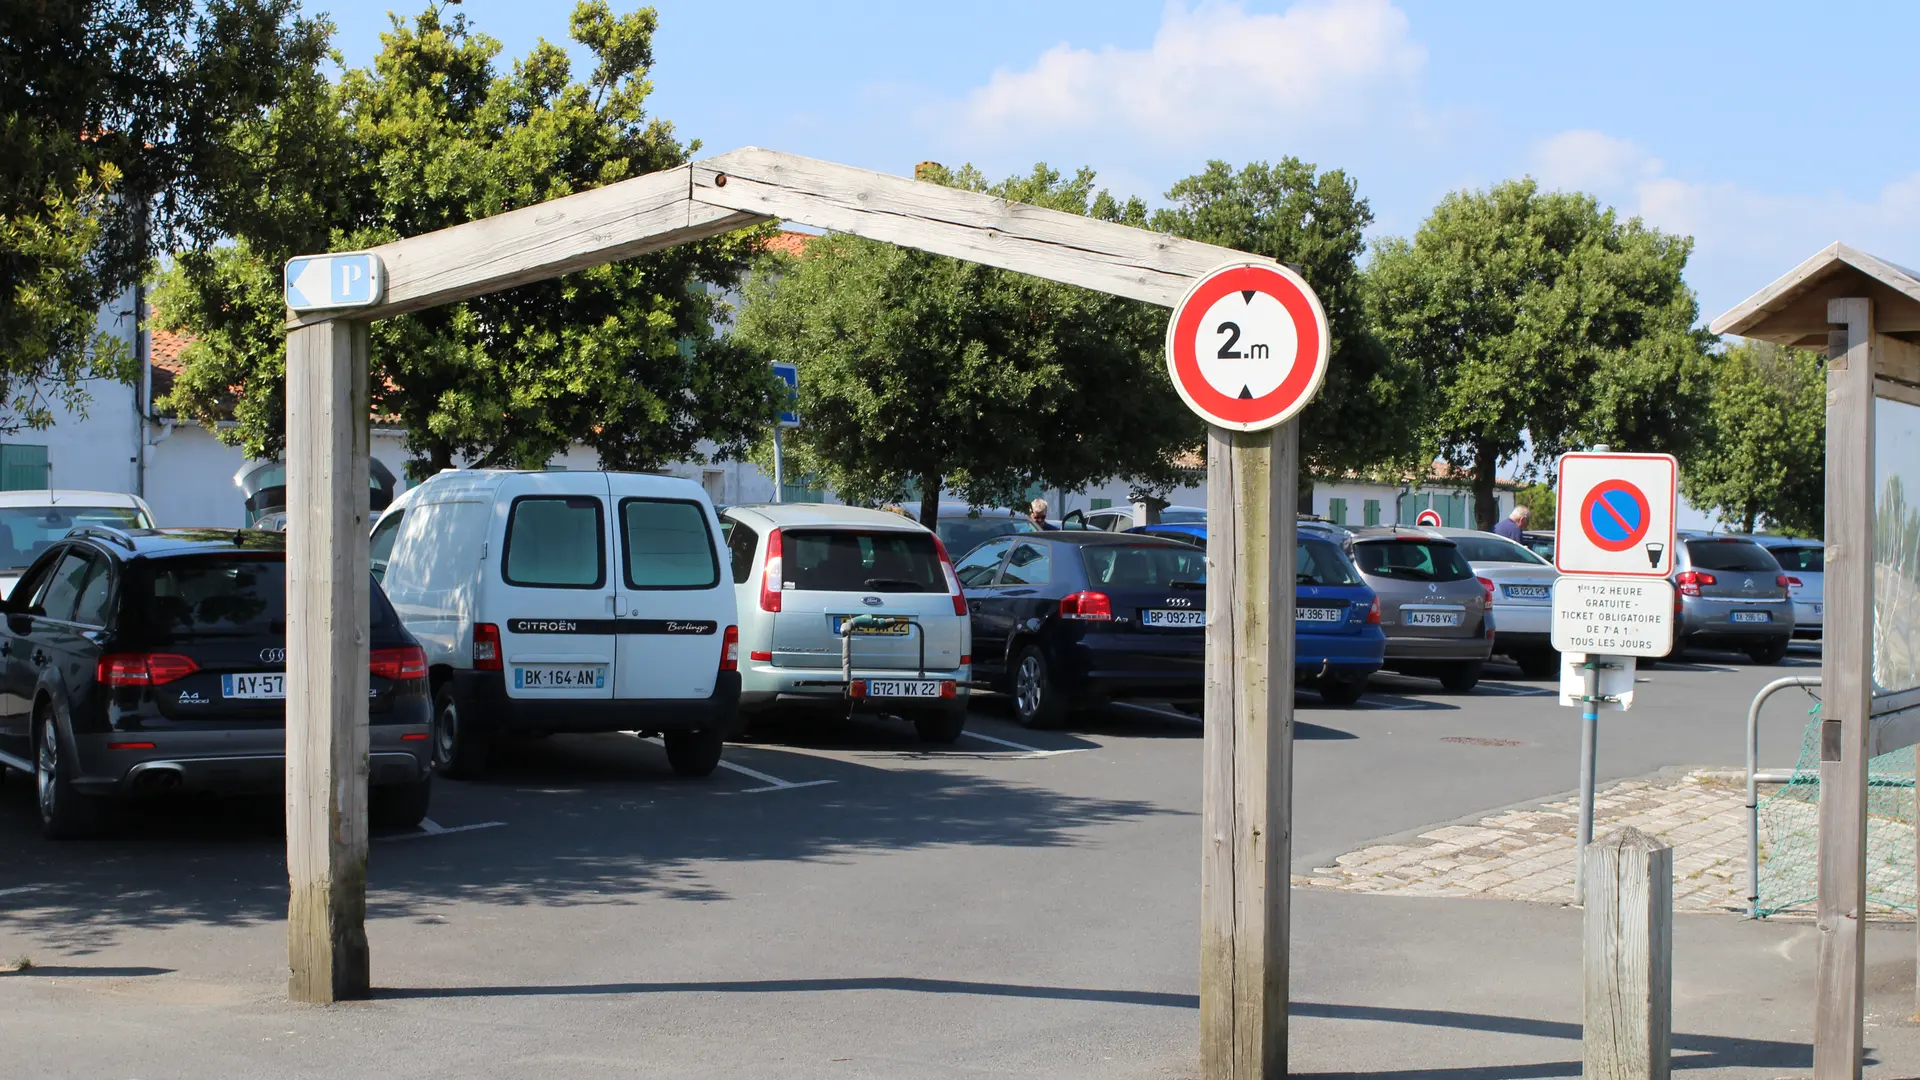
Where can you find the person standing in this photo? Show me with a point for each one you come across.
(1515, 526)
(1037, 513)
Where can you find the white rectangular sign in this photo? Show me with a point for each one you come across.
(1615, 514)
(341, 280)
(1613, 616)
(1616, 681)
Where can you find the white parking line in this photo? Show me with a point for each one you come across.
(1156, 712)
(773, 783)
(430, 827)
(1032, 751)
(17, 889)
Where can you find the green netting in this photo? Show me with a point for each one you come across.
(1790, 831)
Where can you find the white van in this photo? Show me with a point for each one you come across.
(565, 602)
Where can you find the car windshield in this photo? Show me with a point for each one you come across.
(1801, 560)
(967, 533)
(1127, 566)
(1319, 562)
(30, 530)
(1495, 549)
(1412, 560)
(849, 560)
(1730, 555)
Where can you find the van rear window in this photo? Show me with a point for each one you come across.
(848, 560)
(556, 542)
(667, 545)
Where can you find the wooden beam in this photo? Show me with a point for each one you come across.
(1112, 258)
(1835, 271)
(327, 588)
(1626, 999)
(533, 243)
(1245, 871)
(1845, 663)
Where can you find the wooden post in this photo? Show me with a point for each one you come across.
(1245, 861)
(327, 575)
(1626, 999)
(1845, 664)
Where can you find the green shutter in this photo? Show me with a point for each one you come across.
(1099, 504)
(23, 467)
(1337, 511)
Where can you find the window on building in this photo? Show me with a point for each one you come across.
(23, 467)
(1337, 511)
(1370, 512)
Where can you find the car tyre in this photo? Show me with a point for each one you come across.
(1037, 702)
(1538, 663)
(1341, 690)
(459, 751)
(694, 753)
(1460, 678)
(400, 806)
(1769, 654)
(65, 813)
(940, 727)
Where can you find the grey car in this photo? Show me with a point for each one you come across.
(1435, 611)
(1805, 563)
(1731, 594)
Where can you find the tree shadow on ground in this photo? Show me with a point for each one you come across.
(610, 826)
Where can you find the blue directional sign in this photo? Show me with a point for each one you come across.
(789, 374)
(348, 279)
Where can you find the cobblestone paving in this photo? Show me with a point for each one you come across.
(1528, 853)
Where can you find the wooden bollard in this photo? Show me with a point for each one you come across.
(1626, 1001)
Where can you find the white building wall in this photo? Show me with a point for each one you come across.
(96, 452)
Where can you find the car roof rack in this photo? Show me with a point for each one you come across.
(104, 532)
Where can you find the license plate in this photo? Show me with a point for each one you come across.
(917, 688)
(1172, 617)
(1527, 592)
(1318, 614)
(1432, 618)
(894, 629)
(1752, 616)
(560, 677)
(267, 687)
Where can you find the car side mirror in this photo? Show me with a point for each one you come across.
(19, 622)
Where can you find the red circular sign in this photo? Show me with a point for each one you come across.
(1615, 515)
(1428, 519)
(1247, 346)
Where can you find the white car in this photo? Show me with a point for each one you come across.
(565, 602)
(30, 522)
(802, 570)
(1805, 564)
(1521, 587)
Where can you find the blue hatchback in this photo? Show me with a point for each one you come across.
(1337, 638)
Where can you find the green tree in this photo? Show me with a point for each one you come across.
(115, 125)
(1762, 456)
(1540, 499)
(924, 374)
(622, 357)
(1541, 316)
(1314, 222)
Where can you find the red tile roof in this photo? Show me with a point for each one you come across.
(790, 243)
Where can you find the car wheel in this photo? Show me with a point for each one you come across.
(694, 753)
(458, 750)
(1341, 689)
(400, 806)
(1460, 678)
(65, 814)
(1036, 701)
(1538, 663)
(1771, 653)
(940, 727)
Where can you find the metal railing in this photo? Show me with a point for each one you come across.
(1755, 778)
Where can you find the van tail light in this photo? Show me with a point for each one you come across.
(730, 650)
(1087, 607)
(142, 669)
(1373, 613)
(770, 575)
(486, 648)
(398, 665)
(1691, 580)
(1487, 584)
(953, 583)
(1786, 582)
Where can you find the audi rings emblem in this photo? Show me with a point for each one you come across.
(273, 656)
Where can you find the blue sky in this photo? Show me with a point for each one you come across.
(1763, 130)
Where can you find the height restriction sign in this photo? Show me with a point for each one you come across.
(1615, 514)
(1247, 346)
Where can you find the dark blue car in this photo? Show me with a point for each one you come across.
(1337, 638)
(1071, 618)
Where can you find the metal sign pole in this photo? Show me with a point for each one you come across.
(1589, 744)
(779, 468)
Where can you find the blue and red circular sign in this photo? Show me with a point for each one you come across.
(1615, 515)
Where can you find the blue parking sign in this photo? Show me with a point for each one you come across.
(789, 374)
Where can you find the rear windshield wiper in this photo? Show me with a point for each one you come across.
(894, 584)
(1182, 583)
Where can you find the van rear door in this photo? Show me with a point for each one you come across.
(674, 603)
(552, 604)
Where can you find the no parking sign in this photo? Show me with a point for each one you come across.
(1615, 514)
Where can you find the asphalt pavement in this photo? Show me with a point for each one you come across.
(844, 902)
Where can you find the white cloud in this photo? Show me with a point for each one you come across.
(1213, 71)
(1583, 159)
